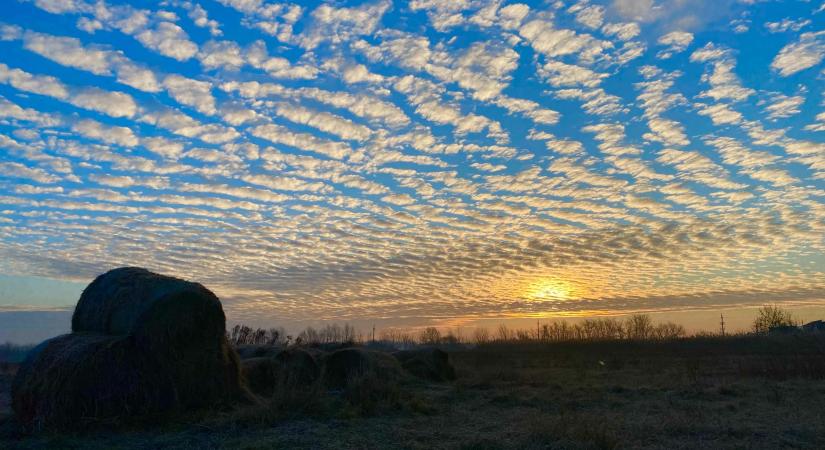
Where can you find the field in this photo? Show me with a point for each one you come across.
(737, 392)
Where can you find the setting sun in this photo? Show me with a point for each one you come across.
(549, 289)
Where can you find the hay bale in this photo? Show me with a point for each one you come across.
(430, 364)
(345, 364)
(298, 367)
(179, 323)
(261, 374)
(77, 377)
(290, 369)
(161, 312)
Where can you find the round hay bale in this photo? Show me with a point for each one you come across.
(298, 367)
(261, 374)
(345, 364)
(159, 311)
(179, 323)
(430, 364)
(290, 369)
(77, 377)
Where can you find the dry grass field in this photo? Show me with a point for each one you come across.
(737, 392)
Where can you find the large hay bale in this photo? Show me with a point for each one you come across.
(346, 364)
(430, 364)
(161, 312)
(77, 377)
(179, 323)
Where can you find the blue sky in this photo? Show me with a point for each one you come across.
(424, 162)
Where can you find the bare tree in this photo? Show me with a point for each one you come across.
(639, 327)
(772, 316)
(430, 336)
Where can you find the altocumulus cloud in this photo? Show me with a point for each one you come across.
(421, 160)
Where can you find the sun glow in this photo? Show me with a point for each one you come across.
(549, 289)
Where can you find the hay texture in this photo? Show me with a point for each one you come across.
(429, 364)
(298, 367)
(179, 322)
(349, 363)
(78, 377)
(290, 369)
(261, 374)
(134, 331)
(159, 311)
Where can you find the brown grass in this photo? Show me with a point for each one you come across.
(630, 395)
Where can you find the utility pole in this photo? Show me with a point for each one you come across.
(722, 323)
(373, 332)
(538, 331)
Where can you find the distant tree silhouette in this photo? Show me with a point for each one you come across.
(772, 316)
(639, 327)
(430, 336)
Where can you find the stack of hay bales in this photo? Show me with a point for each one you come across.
(141, 343)
(430, 364)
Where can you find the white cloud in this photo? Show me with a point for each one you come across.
(89, 25)
(15, 111)
(590, 16)
(169, 40)
(303, 141)
(115, 104)
(624, 31)
(324, 121)
(68, 52)
(226, 54)
(676, 41)
(782, 106)
(201, 19)
(786, 24)
(807, 52)
(37, 84)
(338, 25)
(163, 147)
(109, 134)
(136, 76)
(560, 74)
(554, 42)
(17, 170)
(189, 92)
(62, 6)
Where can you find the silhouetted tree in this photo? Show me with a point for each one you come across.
(639, 326)
(772, 316)
(430, 336)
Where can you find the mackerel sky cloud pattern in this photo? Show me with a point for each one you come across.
(419, 161)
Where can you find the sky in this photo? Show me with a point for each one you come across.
(428, 162)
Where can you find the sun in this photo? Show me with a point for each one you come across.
(549, 289)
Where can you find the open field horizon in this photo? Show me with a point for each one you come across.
(751, 391)
(32, 327)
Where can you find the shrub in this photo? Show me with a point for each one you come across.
(772, 316)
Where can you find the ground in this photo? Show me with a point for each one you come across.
(690, 394)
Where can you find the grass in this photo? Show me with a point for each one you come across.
(740, 392)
